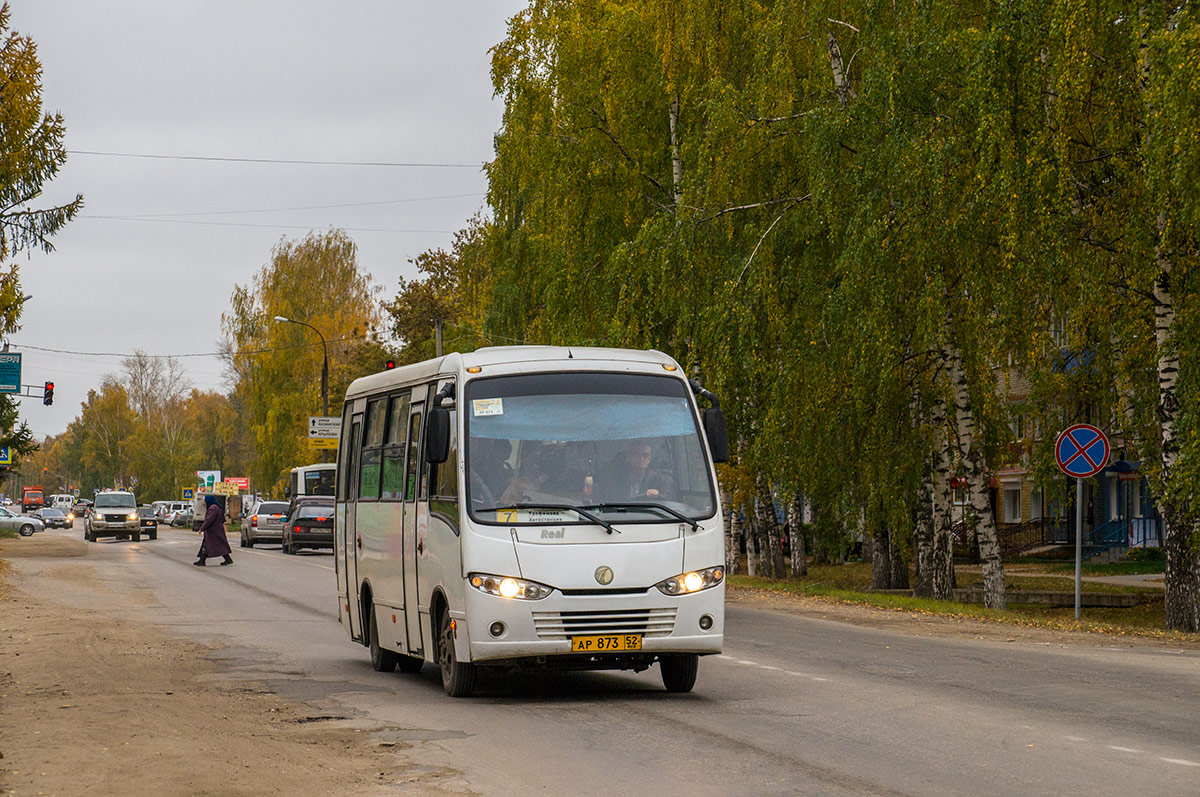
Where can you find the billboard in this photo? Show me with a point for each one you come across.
(207, 479)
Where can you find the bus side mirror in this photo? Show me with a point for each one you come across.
(714, 430)
(437, 435)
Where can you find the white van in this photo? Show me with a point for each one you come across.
(61, 501)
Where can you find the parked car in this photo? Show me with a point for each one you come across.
(309, 524)
(264, 523)
(53, 518)
(149, 523)
(25, 526)
(114, 515)
(180, 518)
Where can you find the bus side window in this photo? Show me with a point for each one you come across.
(413, 466)
(372, 451)
(352, 460)
(393, 452)
(444, 477)
(343, 484)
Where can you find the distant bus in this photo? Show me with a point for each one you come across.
(312, 480)
(532, 506)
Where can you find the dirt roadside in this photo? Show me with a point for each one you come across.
(170, 725)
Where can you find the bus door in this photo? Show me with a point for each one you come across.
(348, 539)
(412, 544)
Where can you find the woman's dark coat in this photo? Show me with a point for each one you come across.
(213, 528)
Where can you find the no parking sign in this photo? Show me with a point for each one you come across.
(1081, 451)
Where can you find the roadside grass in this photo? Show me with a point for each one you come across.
(7, 534)
(849, 584)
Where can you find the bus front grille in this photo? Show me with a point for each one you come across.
(564, 625)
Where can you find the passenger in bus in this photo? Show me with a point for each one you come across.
(531, 475)
(633, 478)
(490, 468)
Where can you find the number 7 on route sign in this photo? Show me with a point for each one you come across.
(1081, 451)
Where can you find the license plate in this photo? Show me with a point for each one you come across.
(593, 644)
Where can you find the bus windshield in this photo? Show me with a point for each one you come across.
(319, 482)
(621, 447)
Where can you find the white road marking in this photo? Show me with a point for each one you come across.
(1077, 738)
(1123, 749)
(1181, 761)
(748, 663)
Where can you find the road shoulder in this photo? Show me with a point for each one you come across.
(91, 703)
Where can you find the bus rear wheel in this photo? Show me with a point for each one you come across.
(679, 671)
(382, 660)
(458, 678)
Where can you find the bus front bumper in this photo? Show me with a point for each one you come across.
(535, 629)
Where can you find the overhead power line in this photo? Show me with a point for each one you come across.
(261, 226)
(302, 207)
(18, 345)
(390, 164)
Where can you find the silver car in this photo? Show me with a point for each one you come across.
(264, 523)
(25, 526)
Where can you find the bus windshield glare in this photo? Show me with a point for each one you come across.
(622, 447)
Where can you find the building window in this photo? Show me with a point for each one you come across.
(1035, 504)
(1012, 504)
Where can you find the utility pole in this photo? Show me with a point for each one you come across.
(437, 335)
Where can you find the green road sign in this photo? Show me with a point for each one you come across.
(10, 372)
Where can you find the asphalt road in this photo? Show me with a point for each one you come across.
(794, 705)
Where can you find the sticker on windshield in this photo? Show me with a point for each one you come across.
(492, 406)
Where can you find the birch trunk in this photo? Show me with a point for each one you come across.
(731, 549)
(1182, 578)
(676, 162)
(841, 82)
(975, 472)
(932, 545)
(772, 546)
(796, 536)
(737, 538)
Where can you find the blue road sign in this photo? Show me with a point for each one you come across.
(188, 493)
(1081, 451)
(5, 455)
(10, 372)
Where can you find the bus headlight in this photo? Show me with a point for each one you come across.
(692, 582)
(508, 587)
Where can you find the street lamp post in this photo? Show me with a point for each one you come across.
(324, 364)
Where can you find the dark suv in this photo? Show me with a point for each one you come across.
(309, 523)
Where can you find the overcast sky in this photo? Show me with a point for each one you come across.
(395, 81)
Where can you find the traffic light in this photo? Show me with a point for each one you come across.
(390, 364)
(48, 394)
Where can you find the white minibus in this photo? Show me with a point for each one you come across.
(532, 506)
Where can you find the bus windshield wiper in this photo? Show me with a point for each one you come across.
(576, 509)
(652, 505)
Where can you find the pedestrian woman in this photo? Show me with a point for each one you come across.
(213, 529)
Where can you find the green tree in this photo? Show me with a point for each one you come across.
(31, 153)
(276, 366)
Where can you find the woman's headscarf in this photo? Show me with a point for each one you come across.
(209, 500)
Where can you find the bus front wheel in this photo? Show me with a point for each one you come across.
(679, 671)
(458, 678)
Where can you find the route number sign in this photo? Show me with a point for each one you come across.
(1081, 451)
